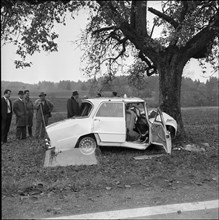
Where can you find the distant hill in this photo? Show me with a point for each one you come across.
(194, 93)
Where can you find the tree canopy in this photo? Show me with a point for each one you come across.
(115, 28)
(118, 29)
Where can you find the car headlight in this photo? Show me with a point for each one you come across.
(48, 144)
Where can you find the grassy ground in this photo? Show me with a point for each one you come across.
(23, 174)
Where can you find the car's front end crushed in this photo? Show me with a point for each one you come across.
(64, 135)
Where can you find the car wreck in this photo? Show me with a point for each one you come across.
(114, 121)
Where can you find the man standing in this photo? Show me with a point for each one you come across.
(6, 114)
(73, 105)
(29, 105)
(98, 95)
(44, 108)
(19, 109)
(114, 94)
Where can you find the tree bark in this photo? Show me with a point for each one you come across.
(170, 78)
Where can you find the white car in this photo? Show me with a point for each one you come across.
(106, 122)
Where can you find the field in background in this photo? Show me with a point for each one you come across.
(60, 100)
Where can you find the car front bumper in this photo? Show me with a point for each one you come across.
(48, 144)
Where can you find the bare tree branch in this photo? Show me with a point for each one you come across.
(138, 15)
(164, 17)
(123, 49)
(184, 10)
(197, 46)
(152, 29)
(151, 69)
(105, 29)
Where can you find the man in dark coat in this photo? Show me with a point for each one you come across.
(29, 105)
(114, 94)
(6, 114)
(43, 108)
(73, 105)
(20, 111)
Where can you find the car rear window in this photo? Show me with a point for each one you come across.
(110, 110)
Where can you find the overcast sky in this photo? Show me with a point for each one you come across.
(65, 64)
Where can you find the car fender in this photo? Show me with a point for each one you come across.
(65, 134)
(169, 121)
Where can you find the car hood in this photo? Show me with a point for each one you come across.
(67, 127)
(65, 132)
(64, 123)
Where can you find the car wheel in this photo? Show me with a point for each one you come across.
(87, 145)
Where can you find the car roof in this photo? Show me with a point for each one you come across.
(117, 99)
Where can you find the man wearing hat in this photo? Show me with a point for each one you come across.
(19, 109)
(29, 105)
(73, 105)
(114, 94)
(99, 95)
(44, 108)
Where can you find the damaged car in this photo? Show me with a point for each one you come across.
(114, 121)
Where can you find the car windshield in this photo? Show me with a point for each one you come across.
(85, 109)
(138, 107)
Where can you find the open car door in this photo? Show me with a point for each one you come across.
(158, 132)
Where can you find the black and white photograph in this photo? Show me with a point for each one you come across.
(109, 109)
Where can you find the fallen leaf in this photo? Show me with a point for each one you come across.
(198, 184)
(127, 186)
(34, 197)
(206, 144)
(108, 188)
(57, 212)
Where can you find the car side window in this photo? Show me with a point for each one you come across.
(110, 109)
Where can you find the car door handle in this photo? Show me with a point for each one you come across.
(96, 119)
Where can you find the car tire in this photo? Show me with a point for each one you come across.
(87, 145)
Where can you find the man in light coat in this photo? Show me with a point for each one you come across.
(43, 108)
(20, 111)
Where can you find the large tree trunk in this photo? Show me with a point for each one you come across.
(170, 77)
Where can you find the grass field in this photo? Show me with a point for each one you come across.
(23, 173)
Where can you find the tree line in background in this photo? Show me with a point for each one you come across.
(194, 93)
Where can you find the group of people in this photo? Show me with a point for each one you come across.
(23, 108)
